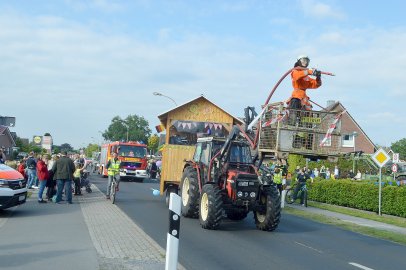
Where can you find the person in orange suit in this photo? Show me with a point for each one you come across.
(301, 81)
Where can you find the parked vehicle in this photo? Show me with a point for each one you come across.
(13, 190)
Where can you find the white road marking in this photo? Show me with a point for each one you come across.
(319, 251)
(360, 266)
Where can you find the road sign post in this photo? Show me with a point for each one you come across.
(395, 158)
(394, 170)
(380, 157)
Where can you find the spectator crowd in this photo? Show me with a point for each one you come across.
(54, 176)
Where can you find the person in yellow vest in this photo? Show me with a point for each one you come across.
(277, 179)
(113, 170)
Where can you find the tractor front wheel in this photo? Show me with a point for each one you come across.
(268, 219)
(189, 190)
(211, 207)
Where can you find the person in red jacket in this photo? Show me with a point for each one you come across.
(21, 168)
(301, 82)
(43, 175)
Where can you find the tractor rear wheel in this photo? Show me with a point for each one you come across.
(211, 207)
(237, 214)
(189, 190)
(268, 220)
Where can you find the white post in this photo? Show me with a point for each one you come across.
(283, 198)
(172, 240)
(380, 190)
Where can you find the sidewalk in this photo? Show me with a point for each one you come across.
(91, 233)
(351, 219)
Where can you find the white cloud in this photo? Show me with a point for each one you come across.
(320, 10)
(101, 5)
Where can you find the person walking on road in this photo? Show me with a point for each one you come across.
(113, 170)
(31, 164)
(43, 175)
(301, 178)
(63, 170)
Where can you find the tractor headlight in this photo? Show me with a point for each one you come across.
(252, 194)
(239, 194)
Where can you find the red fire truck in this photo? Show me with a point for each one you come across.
(133, 157)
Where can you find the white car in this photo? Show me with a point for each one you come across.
(13, 187)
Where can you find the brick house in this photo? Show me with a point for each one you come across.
(6, 140)
(353, 137)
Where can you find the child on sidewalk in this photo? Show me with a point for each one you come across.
(76, 178)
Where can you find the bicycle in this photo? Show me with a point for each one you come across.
(113, 190)
(290, 191)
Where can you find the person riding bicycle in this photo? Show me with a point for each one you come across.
(302, 177)
(113, 170)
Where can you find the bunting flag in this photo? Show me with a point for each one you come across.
(331, 129)
(274, 120)
(159, 128)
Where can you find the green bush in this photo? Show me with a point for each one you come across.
(360, 195)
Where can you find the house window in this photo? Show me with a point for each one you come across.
(348, 140)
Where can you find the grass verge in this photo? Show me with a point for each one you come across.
(381, 234)
(397, 221)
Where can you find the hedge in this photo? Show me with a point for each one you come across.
(360, 195)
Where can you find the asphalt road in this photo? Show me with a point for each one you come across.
(296, 244)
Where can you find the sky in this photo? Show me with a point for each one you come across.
(68, 67)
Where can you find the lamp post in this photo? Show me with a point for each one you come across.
(162, 95)
(354, 135)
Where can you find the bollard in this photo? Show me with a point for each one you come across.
(283, 198)
(172, 240)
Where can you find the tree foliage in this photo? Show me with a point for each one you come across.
(66, 147)
(136, 126)
(400, 147)
(91, 148)
(153, 143)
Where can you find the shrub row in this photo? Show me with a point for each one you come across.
(360, 195)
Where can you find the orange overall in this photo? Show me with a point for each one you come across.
(300, 82)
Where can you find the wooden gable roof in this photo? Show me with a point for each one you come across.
(186, 112)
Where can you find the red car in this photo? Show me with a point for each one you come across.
(13, 187)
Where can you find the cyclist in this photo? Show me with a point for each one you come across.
(302, 177)
(113, 170)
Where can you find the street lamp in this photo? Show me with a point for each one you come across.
(162, 95)
(354, 135)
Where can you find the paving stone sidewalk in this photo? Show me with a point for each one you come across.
(120, 243)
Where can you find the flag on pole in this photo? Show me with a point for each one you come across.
(159, 128)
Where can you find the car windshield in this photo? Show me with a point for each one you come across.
(132, 151)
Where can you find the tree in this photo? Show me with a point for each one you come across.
(400, 147)
(91, 148)
(66, 147)
(153, 143)
(136, 127)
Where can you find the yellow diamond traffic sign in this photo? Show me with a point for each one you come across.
(380, 157)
